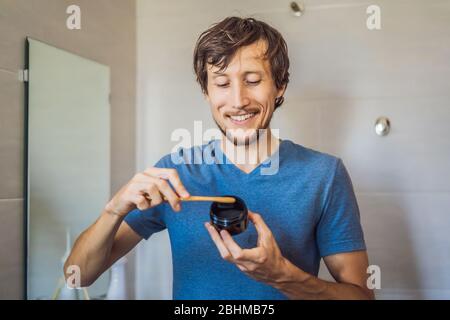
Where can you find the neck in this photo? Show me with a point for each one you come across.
(248, 157)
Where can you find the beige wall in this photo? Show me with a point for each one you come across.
(108, 35)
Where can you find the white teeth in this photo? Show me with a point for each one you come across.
(242, 117)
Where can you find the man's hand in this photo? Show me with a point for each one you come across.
(264, 263)
(152, 184)
(109, 238)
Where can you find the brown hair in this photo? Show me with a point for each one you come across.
(220, 42)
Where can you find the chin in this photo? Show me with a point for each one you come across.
(243, 140)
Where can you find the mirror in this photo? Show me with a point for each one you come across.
(68, 163)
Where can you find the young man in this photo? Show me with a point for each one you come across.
(306, 208)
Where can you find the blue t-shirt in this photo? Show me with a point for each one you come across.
(308, 203)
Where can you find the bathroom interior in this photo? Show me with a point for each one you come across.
(91, 91)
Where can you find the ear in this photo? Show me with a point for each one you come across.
(206, 96)
(281, 91)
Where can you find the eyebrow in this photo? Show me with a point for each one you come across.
(217, 74)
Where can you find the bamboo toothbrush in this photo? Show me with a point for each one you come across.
(205, 198)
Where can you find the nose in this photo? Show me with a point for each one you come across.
(239, 97)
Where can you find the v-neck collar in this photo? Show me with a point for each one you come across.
(219, 154)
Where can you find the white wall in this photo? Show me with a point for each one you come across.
(343, 77)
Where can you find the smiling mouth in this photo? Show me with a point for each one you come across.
(244, 118)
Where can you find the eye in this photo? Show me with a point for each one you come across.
(253, 83)
(222, 85)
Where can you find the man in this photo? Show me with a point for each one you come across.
(306, 209)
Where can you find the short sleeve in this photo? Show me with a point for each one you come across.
(150, 221)
(339, 228)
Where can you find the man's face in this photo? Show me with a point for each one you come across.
(243, 95)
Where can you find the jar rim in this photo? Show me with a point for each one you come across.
(238, 205)
(239, 217)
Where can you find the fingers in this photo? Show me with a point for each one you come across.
(231, 245)
(239, 254)
(232, 252)
(157, 188)
(141, 202)
(147, 189)
(174, 179)
(225, 254)
(172, 176)
(165, 189)
(146, 195)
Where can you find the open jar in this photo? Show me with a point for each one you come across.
(232, 217)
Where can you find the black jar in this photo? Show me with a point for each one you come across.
(232, 217)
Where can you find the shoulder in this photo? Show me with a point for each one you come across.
(297, 156)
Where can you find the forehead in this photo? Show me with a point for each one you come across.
(246, 59)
